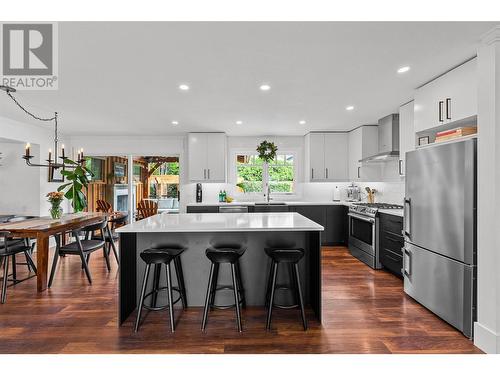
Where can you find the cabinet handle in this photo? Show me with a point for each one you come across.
(406, 262)
(204, 174)
(326, 170)
(448, 108)
(358, 172)
(400, 167)
(312, 173)
(407, 218)
(440, 107)
(209, 174)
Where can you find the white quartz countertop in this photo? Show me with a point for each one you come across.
(227, 222)
(288, 203)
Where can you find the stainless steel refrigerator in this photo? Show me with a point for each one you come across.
(439, 257)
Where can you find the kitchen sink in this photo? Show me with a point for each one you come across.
(270, 203)
(271, 207)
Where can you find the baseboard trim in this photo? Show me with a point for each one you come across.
(485, 339)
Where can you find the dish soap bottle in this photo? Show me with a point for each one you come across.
(220, 196)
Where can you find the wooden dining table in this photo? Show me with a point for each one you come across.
(42, 228)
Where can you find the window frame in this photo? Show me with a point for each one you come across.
(265, 173)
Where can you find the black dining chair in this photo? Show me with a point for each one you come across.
(9, 247)
(82, 247)
(114, 222)
(29, 242)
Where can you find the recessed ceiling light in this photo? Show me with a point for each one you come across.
(265, 87)
(175, 122)
(349, 108)
(239, 122)
(183, 87)
(302, 122)
(403, 69)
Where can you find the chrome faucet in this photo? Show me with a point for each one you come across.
(268, 193)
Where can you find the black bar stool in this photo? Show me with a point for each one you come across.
(157, 257)
(292, 258)
(218, 256)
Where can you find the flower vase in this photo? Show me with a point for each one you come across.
(56, 211)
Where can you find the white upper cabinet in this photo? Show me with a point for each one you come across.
(326, 157)
(336, 156)
(363, 142)
(447, 99)
(216, 157)
(406, 134)
(207, 157)
(317, 157)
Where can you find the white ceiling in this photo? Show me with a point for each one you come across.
(122, 78)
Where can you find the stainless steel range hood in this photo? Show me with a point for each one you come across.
(388, 140)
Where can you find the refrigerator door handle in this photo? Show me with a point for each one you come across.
(406, 262)
(407, 217)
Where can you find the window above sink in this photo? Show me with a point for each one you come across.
(252, 175)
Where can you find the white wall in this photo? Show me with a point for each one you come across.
(487, 327)
(41, 138)
(20, 185)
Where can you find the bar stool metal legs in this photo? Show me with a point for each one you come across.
(209, 297)
(301, 299)
(291, 257)
(236, 297)
(159, 257)
(218, 256)
(141, 300)
(274, 273)
(170, 298)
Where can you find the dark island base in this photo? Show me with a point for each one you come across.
(254, 266)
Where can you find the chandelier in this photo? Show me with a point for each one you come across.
(51, 163)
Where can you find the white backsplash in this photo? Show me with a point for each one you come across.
(387, 192)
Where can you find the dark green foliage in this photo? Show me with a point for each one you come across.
(280, 171)
(267, 151)
(78, 180)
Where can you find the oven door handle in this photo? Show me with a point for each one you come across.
(363, 218)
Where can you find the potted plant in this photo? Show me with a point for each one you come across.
(55, 198)
(78, 179)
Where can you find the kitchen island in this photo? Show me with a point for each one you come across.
(197, 232)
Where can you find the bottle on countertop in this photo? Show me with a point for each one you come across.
(199, 193)
(224, 196)
(336, 194)
(220, 195)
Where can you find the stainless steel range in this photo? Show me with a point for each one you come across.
(363, 231)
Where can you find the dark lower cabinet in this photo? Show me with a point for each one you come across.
(335, 225)
(332, 218)
(391, 243)
(202, 209)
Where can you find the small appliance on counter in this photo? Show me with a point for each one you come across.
(353, 193)
(199, 193)
(336, 194)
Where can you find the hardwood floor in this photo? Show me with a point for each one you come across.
(365, 311)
